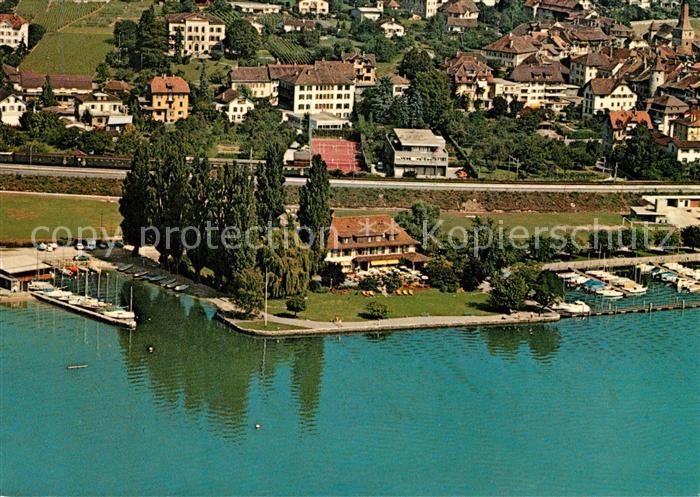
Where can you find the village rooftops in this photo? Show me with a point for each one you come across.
(592, 59)
(169, 84)
(418, 138)
(538, 73)
(118, 85)
(460, 7)
(668, 104)
(228, 95)
(323, 73)
(194, 16)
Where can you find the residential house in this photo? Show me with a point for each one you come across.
(620, 123)
(461, 15)
(325, 87)
(556, 9)
(289, 25)
(313, 7)
(362, 242)
(393, 29)
(368, 13)
(508, 90)
(200, 33)
(234, 104)
(687, 128)
(399, 85)
(423, 8)
(102, 110)
(509, 51)
(419, 153)
(14, 30)
(665, 110)
(365, 66)
(605, 94)
(169, 99)
(12, 107)
(256, 8)
(471, 77)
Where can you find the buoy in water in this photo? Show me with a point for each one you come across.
(258, 426)
(150, 349)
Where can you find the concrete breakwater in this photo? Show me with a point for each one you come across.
(300, 327)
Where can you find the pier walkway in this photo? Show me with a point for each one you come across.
(622, 262)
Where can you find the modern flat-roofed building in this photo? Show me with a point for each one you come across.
(677, 210)
(361, 242)
(419, 153)
(18, 270)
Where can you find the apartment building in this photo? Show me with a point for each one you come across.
(365, 66)
(544, 86)
(12, 107)
(234, 104)
(201, 33)
(665, 110)
(14, 30)
(102, 110)
(313, 7)
(325, 87)
(585, 67)
(361, 242)
(170, 97)
(418, 153)
(605, 94)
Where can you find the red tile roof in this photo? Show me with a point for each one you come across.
(513, 44)
(13, 20)
(185, 16)
(358, 228)
(169, 84)
(30, 80)
(621, 119)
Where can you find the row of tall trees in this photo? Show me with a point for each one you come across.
(227, 219)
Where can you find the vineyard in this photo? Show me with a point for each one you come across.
(228, 16)
(54, 15)
(287, 51)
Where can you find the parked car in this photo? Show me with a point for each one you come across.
(79, 246)
(81, 258)
(90, 245)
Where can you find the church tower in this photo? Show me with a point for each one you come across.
(657, 77)
(683, 33)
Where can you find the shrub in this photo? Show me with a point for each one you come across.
(332, 275)
(369, 284)
(376, 310)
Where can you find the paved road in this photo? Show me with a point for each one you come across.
(405, 185)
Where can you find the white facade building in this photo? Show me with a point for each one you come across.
(201, 33)
(12, 107)
(14, 30)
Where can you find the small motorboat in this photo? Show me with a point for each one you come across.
(181, 288)
(165, 283)
(119, 314)
(609, 293)
(157, 278)
(577, 308)
(140, 274)
(39, 285)
(171, 285)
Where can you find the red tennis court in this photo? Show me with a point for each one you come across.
(338, 154)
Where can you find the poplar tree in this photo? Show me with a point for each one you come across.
(201, 211)
(314, 207)
(136, 197)
(270, 194)
(48, 99)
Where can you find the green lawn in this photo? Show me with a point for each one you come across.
(68, 53)
(20, 214)
(260, 326)
(349, 306)
(220, 67)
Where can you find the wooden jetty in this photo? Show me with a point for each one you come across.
(122, 323)
(651, 307)
(622, 262)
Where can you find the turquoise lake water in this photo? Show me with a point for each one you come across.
(595, 406)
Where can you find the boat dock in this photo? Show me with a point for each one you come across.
(612, 311)
(122, 323)
(618, 262)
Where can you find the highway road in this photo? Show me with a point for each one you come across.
(394, 185)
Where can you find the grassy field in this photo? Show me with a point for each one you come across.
(66, 52)
(55, 15)
(350, 306)
(529, 220)
(20, 214)
(219, 68)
